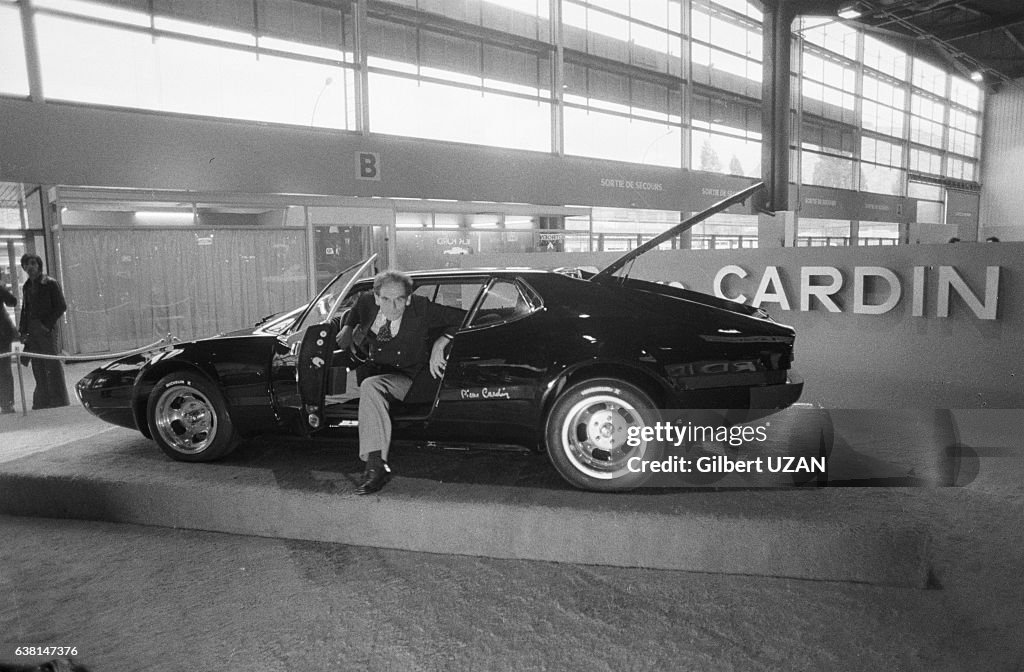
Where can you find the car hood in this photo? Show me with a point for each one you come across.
(685, 225)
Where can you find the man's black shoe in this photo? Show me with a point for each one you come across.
(376, 478)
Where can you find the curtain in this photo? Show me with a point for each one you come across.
(127, 288)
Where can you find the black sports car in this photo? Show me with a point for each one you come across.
(564, 362)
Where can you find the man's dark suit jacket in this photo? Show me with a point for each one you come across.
(41, 309)
(409, 351)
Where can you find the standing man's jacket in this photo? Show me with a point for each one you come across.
(43, 305)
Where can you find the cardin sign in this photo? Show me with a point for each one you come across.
(819, 284)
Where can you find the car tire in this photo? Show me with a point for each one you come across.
(188, 418)
(587, 429)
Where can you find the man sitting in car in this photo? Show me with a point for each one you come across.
(396, 326)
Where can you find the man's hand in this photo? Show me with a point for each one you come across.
(437, 357)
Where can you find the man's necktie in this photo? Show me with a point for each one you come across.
(384, 333)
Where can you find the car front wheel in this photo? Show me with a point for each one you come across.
(189, 419)
(593, 434)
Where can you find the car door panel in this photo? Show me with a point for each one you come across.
(496, 364)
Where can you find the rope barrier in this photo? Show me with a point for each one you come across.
(92, 358)
(19, 354)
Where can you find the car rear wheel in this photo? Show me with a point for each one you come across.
(189, 419)
(588, 434)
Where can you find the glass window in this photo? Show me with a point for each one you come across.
(614, 136)
(735, 154)
(962, 143)
(727, 47)
(813, 232)
(460, 295)
(926, 132)
(503, 302)
(883, 91)
(445, 112)
(725, 231)
(878, 233)
(963, 121)
(740, 6)
(925, 162)
(881, 179)
(657, 12)
(537, 8)
(645, 33)
(965, 92)
(103, 64)
(963, 133)
(927, 120)
(960, 169)
(13, 71)
(828, 81)
(830, 34)
(929, 77)
(881, 151)
(924, 191)
(882, 119)
(826, 170)
(884, 58)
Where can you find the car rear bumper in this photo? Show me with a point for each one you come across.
(778, 396)
(765, 397)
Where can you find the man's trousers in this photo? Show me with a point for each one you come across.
(375, 395)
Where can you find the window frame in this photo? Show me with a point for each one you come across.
(529, 295)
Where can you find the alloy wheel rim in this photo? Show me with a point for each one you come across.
(594, 436)
(186, 419)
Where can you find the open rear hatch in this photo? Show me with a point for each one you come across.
(608, 272)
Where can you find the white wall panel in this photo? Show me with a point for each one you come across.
(1002, 168)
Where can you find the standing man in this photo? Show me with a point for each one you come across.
(7, 333)
(43, 305)
(397, 327)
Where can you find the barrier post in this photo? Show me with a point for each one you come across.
(21, 383)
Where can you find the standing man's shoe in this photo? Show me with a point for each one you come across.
(375, 479)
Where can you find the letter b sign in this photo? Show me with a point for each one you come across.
(367, 166)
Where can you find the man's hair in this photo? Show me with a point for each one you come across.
(398, 277)
(31, 255)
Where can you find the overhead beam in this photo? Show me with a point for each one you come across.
(980, 28)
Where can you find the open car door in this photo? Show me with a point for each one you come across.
(302, 362)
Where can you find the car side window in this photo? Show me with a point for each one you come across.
(459, 295)
(503, 302)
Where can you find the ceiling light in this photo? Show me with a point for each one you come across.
(164, 217)
(849, 12)
(977, 76)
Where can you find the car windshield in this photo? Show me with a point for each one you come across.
(326, 304)
(279, 322)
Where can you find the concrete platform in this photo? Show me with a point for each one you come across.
(502, 504)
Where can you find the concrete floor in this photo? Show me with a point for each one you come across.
(157, 598)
